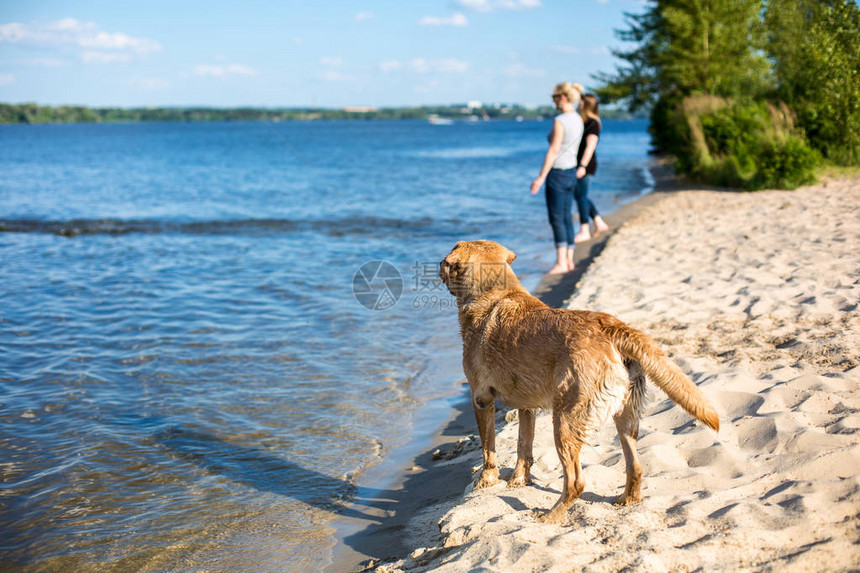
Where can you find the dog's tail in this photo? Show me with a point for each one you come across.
(666, 374)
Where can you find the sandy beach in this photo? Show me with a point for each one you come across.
(756, 296)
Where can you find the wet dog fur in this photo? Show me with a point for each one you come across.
(584, 366)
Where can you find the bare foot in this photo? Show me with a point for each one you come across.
(583, 235)
(557, 269)
(600, 226)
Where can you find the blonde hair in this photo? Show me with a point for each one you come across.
(571, 91)
(589, 108)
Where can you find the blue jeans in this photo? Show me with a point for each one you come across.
(559, 204)
(583, 203)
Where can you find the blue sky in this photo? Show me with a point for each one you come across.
(326, 53)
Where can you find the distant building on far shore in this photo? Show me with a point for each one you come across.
(359, 109)
(474, 104)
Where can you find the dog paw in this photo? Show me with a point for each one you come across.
(625, 499)
(519, 481)
(487, 481)
(551, 517)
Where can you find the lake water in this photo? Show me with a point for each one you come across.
(190, 375)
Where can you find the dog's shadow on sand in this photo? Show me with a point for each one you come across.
(591, 497)
(379, 516)
(267, 472)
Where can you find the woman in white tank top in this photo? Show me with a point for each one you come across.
(559, 172)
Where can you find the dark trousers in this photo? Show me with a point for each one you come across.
(559, 204)
(583, 203)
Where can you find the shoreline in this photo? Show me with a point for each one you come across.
(378, 533)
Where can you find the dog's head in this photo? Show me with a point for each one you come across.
(476, 267)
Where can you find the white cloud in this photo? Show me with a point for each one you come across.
(601, 51)
(451, 65)
(12, 32)
(334, 76)
(118, 41)
(362, 16)
(492, 5)
(566, 50)
(7, 79)
(45, 62)
(65, 31)
(457, 20)
(298, 41)
(205, 70)
(390, 66)
(425, 66)
(93, 44)
(96, 57)
(476, 5)
(149, 84)
(331, 61)
(520, 71)
(70, 24)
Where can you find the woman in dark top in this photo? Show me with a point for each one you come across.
(586, 168)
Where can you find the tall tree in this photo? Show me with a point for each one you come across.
(689, 46)
(815, 49)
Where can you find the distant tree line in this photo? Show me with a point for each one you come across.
(745, 93)
(33, 113)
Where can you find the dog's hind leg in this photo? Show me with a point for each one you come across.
(485, 414)
(568, 444)
(627, 423)
(522, 472)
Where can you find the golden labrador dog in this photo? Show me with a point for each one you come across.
(584, 366)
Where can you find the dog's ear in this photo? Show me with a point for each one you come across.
(449, 266)
(510, 256)
(444, 273)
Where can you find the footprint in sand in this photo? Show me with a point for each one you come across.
(736, 405)
(758, 434)
(716, 458)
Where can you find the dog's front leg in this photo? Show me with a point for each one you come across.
(485, 414)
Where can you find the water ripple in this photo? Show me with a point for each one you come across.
(341, 227)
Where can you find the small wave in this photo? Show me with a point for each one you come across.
(472, 152)
(648, 178)
(262, 227)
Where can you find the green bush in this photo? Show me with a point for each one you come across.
(741, 144)
(785, 164)
(734, 132)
